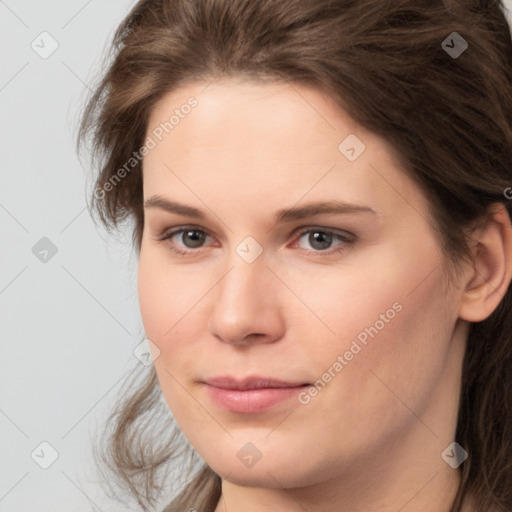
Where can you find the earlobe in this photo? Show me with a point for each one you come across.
(492, 266)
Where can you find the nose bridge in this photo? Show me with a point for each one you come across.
(244, 300)
(241, 287)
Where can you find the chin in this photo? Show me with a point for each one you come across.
(261, 478)
(268, 474)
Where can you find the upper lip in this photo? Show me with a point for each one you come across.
(251, 382)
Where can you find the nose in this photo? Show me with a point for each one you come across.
(246, 308)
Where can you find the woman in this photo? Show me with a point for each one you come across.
(320, 207)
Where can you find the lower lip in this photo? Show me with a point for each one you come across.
(251, 400)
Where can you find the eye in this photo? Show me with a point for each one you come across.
(185, 240)
(320, 240)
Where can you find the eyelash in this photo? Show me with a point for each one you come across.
(347, 240)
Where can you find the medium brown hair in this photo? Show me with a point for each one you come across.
(448, 118)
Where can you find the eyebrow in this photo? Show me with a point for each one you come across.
(284, 215)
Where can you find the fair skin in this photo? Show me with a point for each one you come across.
(371, 439)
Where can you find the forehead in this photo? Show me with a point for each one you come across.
(247, 137)
(253, 116)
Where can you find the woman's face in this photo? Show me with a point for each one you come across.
(305, 257)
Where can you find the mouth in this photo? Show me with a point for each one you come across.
(251, 394)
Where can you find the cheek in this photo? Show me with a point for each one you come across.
(166, 301)
(167, 297)
(152, 294)
(174, 308)
(392, 325)
(394, 346)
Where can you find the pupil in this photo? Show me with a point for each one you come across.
(320, 240)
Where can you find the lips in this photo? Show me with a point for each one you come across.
(251, 382)
(251, 394)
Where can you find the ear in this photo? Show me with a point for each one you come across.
(488, 280)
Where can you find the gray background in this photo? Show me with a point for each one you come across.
(69, 320)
